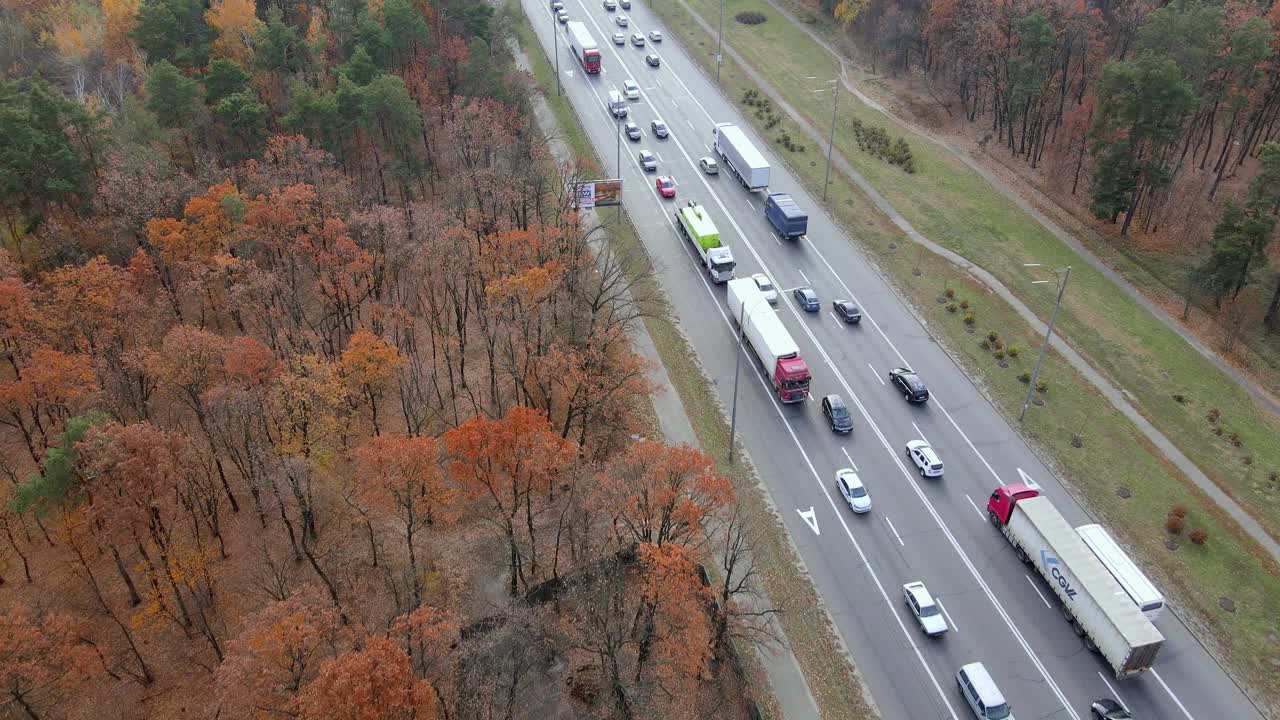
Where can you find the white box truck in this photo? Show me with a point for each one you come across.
(1092, 600)
(769, 340)
(743, 159)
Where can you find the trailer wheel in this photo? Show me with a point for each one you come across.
(1022, 555)
(1090, 644)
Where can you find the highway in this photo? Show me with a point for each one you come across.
(934, 530)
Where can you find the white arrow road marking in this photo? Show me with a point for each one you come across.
(810, 517)
(568, 73)
(1026, 479)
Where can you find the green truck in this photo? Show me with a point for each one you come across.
(696, 226)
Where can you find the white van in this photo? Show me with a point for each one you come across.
(617, 106)
(1141, 590)
(980, 691)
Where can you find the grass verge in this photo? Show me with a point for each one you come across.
(1114, 458)
(826, 667)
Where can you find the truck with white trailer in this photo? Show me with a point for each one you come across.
(1135, 583)
(769, 340)
(741, 157)
(1092, 600)
(697, 227)
(583, 46)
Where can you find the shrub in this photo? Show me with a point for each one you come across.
(1025, 377)
(1042, 387)
(900, 154)
(1179, 398)
(1247, 459)
(984, 344)
(951, 307)
(1217, 431)
(1199, 536)
(1235, 439)
(999, 354)
(964, 304)
(970, 319)
(950, 293)
(1174, 524)
(1213, 415)
(997, 345)
(1273, 476)
(1179, 510)
(1014, 351)
(750, 18)
(993, 336)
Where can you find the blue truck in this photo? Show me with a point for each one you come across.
(785, 215)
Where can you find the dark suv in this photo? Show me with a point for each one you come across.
(910, 384)
(837, 414)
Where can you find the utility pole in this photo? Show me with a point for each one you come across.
(719, 36)
(1035, 374)
(835, 98)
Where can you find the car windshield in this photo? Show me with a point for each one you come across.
(857, 491)
(807, 295)
(722, 266)
(998, 712)
(914, 383)
(928, 610)
(764, 284)
(666, 184)
(839, 412)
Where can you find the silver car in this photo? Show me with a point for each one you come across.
(631, 89)
(923, 607)
(619, 39)
(709, 166)
(655, 36)
(621, 20)
(648, 161)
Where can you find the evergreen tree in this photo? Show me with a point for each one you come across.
(360, 67)
(172, 96)
(225, 77)
(277, 46)
(1239, 239)
(173, 30)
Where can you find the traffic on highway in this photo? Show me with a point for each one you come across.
(845, 398)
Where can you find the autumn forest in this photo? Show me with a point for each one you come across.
(317, 399)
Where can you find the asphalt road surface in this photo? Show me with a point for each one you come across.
(934, 530)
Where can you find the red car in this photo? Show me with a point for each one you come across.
(666, 186)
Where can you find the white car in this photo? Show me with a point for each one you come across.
(621, 20)
(610, 5)
(562, 16)
(927, 612)
(926, 460)
(655, 36)
(766, 287)
(853, 491)
(637, 39)
(709, 166)
(619, 39)
(631, 89)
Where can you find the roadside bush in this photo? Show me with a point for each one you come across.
(900, 155)
(1178, 510)
(964, 304)
(999, 354)
(1025, 377)
(875, 141)
(1174, 524)
(970, 319)
(993, 336)
(1179, 398)
(1247, 459)
(751, 97)
(1199, 536)
(1014, 351)
(1213, 415)
(951, 307)
(750, 18)
(1042, 387)
(1273, 476)
(950, 293)
(984, 344)
(1235, 439)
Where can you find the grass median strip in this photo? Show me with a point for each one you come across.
(826, 667)
(1114, 471)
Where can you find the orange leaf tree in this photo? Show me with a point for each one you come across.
(375, 682)
(40, 658)
(402, 476)
(511, 468)
(368, 364)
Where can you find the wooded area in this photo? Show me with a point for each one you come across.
(1165, 116)
(317, 398)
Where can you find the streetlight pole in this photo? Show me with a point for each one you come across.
(737, 364)
(719, 35)
(555, 35)
(1035, 374)
(835, 98)
(618, 162)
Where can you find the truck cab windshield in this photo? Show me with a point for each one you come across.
(721, 266)
(998, 712)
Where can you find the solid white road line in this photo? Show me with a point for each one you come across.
(950, 623)
(895, 530)
(1114, 694)
(1032, 583)
(806, 277)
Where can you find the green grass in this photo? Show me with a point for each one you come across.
(826, 667)
(953, 206)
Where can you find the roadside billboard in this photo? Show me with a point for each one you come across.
(595, 192)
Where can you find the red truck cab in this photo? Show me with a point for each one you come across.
(1004, 499)
(792, 379)
(591, 60)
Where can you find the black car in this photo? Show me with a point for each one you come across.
(910, 384)
(1109, 710)
(847, 311)
(837, 414)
